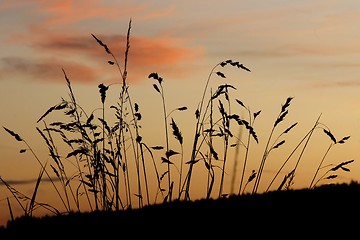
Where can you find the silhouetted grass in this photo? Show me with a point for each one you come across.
(103, 153)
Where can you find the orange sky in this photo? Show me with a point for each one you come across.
(308, 50)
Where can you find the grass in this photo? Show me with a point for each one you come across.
(111, 158)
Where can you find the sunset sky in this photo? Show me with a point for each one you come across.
(308, 50)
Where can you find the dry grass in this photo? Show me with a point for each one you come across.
(104, 152)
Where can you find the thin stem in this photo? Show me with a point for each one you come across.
(166, 138)
(196, 136)
(246, 152)
(257, 180)
(307, 136)
(321, 162)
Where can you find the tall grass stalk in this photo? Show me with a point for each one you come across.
(307, 138)
(137, 147)
(201, 115)
(249, 125)
(269, 148)
(20, 139)
(327, 131)
(159, 88)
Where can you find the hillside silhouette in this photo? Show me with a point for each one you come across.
(326, 210)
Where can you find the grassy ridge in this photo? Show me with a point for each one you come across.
(272, 211)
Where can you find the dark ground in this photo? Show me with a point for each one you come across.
(329, 211)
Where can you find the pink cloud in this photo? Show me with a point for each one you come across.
(88, 62)
(70, 11)
(144, 50)
(81, 54)
(64, 12)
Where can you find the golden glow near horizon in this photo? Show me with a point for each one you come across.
(307, 50)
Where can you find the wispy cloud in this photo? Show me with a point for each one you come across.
(46, 70)
(57, 40)
(12, 182)
(70, 11)
(144, 50)
(55, 35)
(88, 59)
(297, 50)
(310, 28)
(55, 13)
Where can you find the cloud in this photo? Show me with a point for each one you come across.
(298, 50)
(86, 60)
(55, 13)
(143, 50)
(55, 39)
(46, 70)
(27, 181)
(70, 11)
